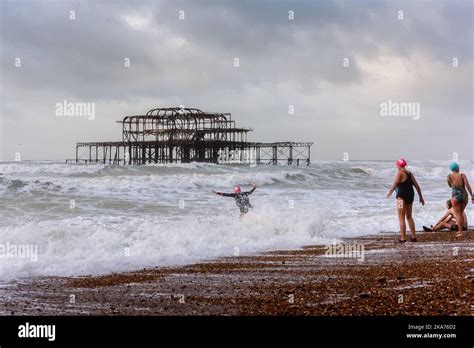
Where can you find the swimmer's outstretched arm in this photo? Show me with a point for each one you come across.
(224, 194)
(418, 189)
(252, 190)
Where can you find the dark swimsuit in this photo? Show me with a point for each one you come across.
(460, 193)
(241, 199)
(405, 190)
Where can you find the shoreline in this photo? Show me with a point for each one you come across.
(434, 276)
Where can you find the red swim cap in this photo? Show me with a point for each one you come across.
(237, 189)
(402, 163)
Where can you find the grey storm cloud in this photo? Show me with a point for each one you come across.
(282, 62)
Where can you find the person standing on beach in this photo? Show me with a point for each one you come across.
(403, 186)
(241, 198)
(459, 199)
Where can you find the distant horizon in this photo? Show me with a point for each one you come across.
(281, 165)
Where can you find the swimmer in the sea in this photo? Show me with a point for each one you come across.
(241, 198)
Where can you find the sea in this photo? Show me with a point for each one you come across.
(59, 219)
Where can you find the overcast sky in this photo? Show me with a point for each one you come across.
(283, 62)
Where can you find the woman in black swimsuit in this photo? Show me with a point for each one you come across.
(403, 185)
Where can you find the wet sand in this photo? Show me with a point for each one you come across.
(434, 276)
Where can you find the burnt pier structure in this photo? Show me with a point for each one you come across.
(182, 135)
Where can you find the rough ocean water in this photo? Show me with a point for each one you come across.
(95, 219)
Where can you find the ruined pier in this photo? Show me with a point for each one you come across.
(183, 135)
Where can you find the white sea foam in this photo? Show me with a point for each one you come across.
(76, 246)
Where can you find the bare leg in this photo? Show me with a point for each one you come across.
(458, 215)
(401, 218)
(411, 222)
(442, 225)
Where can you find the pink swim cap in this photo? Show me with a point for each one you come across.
(237, 189)
(402, 163)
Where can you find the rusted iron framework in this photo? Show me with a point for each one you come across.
(181, 135)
